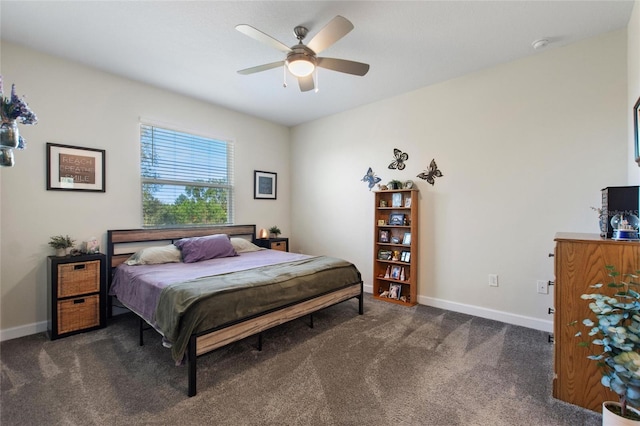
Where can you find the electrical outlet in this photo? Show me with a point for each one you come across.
(543, 287)
(493, 280)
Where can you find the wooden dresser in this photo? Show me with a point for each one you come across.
(580, 261)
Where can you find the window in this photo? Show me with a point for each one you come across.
(186, 179)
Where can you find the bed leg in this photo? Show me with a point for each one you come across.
(260, 342)
(141, 331)
(361, 303)
(310, 320)
(191, 365)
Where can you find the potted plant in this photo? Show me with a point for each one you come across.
(61, 244)
(615, 344)
(394, 184)
(274, 231)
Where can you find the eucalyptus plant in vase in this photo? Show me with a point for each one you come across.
(12, 109)
(615, 341)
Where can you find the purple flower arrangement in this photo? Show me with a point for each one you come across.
(14, 108)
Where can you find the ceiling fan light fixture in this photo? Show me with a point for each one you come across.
(300, 66)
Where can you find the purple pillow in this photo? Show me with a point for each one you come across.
(204, 248)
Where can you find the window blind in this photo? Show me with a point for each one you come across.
(186, 179)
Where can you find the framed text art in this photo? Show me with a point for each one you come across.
(265, 185)
(636, 129)
(73, 168)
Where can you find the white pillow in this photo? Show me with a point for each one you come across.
(244, 246)
(156, 255)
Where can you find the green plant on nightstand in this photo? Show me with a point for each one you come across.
(61, 244)
(274, 231)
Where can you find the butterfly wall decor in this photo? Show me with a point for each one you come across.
(400, 158)
(371, 178)
(431, 173)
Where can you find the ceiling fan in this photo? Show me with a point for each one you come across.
(302, 60)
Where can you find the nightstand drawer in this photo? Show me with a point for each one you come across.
(78, 278)
(279, 245)
(78, 314)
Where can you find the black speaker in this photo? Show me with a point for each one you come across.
(616, 200)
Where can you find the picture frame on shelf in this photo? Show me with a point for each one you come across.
(395, 240)
(407, 202)
(381, 222)
(395, 273)
(384, 236)
(74, 168)
(395, 291)
(265, 185)
(405, 256)
(396, 219)
(384, 254)
(396, 199)
(406, 239)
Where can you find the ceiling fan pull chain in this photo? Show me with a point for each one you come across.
(317, 81)
(284, 76)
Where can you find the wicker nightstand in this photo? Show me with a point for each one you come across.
(77, 294)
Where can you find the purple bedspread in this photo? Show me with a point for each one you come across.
(139, 287)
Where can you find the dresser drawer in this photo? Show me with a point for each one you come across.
(78, 313)
(279, 245)
(78, 278)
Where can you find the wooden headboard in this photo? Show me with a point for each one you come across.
(119, 239)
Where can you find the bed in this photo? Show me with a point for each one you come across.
(199, 304)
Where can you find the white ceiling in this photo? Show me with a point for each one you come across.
(192, 47)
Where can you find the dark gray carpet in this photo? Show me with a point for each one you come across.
(391, 366)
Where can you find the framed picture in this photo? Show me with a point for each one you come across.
(395, 273)
(384, 236)
(73, 168)
(636, 131)
(395, 240)
(396, 219)
(384, 254)
(265, 185)
(396, 199)
(395, 290)
(381, 222)
(406, 239)
(407, 202)
(405, 256)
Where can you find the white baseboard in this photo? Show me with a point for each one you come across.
(23, 330)
(478, 311)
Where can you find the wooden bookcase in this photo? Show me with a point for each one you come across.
(396, 232)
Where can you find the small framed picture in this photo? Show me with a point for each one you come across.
(405, 256)
(381, 222)
(396, 199)
(395, 290)
(384, 236)
(396, 219)
(407, 202)
(395, 273)
(384, 254)
(395, 240)
(383, 203)
(406, 240)
(74, 168)
(265, 185)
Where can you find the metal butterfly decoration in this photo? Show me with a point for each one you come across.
(432, 173)
(371, 178)
(400, 158)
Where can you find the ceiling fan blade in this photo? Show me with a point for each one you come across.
(306, 83)
(262, 37)
(342, 65)
(337, 28)
(261, 68)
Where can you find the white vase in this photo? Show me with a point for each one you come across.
(61, 252)
(9, 135)
(610, 418)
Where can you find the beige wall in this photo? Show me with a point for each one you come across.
(524, 147)
(633, 76)
(83, 107)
